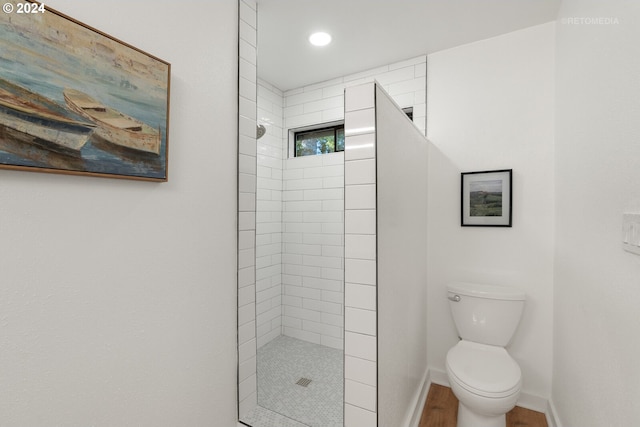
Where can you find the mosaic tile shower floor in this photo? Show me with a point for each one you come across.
(283, 403)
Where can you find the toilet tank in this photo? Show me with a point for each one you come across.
(486, 314)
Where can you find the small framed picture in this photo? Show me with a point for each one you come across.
(486, 198)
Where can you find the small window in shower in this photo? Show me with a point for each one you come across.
(409, 112)
(322, 139)
(319, 141)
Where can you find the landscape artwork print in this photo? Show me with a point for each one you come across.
(74, 100)
(486, 198)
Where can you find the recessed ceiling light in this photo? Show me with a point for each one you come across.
(320, 39)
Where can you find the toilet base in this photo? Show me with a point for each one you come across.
(467, 418)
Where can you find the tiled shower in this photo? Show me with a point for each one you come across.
(313, 249)
(300, 202)
(315, 228)
(299, 236)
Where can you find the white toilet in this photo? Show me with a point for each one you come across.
(483, 376)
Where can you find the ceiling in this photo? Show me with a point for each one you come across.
(370, 33)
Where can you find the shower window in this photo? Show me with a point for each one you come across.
(322, 139)
(409, 112)
(319, 141)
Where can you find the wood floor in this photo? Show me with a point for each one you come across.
(441, 410)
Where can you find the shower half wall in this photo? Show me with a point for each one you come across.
(385, 261)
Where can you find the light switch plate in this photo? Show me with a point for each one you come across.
(631, 232)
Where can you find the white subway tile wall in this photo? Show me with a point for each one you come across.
(360, 395)
(247, 388)
(355, 416)
(269, 220)
(360, 256)
(360, 370)
(313, 249)
(324, 102)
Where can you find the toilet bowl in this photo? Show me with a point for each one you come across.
(483, 376)
(487, 382)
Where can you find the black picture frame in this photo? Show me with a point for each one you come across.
(486, 198)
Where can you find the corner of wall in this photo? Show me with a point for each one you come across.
(553, 420)
(247, 115)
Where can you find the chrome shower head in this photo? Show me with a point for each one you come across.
(260, 131)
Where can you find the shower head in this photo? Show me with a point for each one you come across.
(260, 131)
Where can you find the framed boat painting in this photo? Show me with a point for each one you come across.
(75, 100)
(486, 198)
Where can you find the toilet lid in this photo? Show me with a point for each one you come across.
(483, 369)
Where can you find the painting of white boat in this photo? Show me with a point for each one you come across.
(76, 101)
(114, 126)
(41, 120)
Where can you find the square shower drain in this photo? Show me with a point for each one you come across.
(303, 382)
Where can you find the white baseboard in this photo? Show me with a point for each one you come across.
(439, 377)
(533, 402)
(417, 403)
(552, 415)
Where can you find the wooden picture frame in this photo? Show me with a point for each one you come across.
(486, 198)
(75, 100)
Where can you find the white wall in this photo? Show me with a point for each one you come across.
(491, 106)
(596, 373)
(118, 297)
(269, 215)
(401, 186)
(313, 249)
